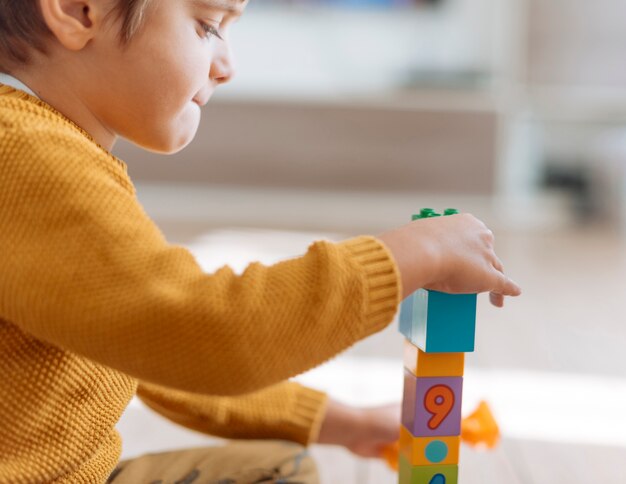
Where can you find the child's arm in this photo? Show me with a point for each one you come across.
(287, 411)
(85, 269)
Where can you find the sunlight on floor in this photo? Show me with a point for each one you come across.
(530, 405)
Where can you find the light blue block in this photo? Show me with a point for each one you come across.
(406, 316)
(443, 323)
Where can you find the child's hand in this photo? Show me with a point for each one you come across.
(452, 254)
(364, 431)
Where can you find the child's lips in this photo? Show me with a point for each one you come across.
(201, 101)
(202, 97)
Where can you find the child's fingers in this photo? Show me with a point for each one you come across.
(496, 299)
(509, 288)
(497, 263)
(506, 286)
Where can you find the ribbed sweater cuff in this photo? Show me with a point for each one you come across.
(306, 420)
(383, 284)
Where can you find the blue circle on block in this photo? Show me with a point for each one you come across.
(438, 479)
(436, 451)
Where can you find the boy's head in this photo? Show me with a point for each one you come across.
(135, 68)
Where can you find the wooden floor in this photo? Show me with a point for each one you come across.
(571, 319)
(513, 462)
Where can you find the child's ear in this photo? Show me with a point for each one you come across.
(72, 22)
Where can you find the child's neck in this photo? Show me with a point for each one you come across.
(56, 89)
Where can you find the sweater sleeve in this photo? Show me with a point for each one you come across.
(286, 411)
(84, 268)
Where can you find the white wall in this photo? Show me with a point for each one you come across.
(317, 51)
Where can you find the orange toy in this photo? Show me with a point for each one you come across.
(390, 454)
(480, 428)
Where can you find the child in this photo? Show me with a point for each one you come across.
(96, 306)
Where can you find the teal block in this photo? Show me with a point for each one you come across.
(443, 323)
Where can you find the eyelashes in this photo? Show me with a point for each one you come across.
(210, 31)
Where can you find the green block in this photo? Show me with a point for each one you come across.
(430, 212)
(443, 323)
(409, 474)
(425, 213)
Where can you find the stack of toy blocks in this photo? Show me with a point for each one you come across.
(439, 330)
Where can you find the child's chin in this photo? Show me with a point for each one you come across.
(172, 141)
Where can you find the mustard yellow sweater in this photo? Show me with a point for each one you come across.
(95, 305)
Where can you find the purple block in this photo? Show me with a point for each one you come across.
(432, 406)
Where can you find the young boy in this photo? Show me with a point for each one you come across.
(96, 306)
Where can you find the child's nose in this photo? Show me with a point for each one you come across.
(222, 68)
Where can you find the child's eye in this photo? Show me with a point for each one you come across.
(209, 31)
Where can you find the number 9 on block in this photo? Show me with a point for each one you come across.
(432, 406)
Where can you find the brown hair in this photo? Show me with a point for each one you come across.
(22, 27)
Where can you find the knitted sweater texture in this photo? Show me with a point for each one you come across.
(96, 306)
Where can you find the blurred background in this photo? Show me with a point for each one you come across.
(346, 116)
